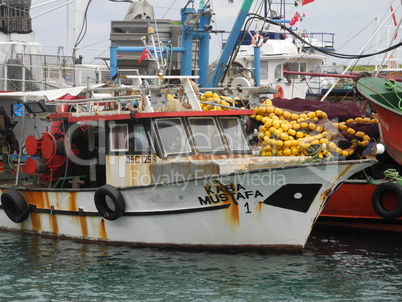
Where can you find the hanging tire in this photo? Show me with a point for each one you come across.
(109, 202)
(15, 206)
(378, 204)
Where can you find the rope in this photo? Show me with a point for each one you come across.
(390, 175)
(392, 85)
(382, 96)
(168, 10)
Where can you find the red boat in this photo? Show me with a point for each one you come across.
(364, 205)
(353, 206)
(385, 95)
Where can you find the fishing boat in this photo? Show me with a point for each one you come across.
(141, 164)
(385, 96)
(374, 203)
(359, 204)
(180, 178)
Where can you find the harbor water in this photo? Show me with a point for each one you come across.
(335, 266)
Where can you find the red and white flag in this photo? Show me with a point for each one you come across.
(393, 16)
(395, 22)
(307, 2)
(294, 20)
(144, 55)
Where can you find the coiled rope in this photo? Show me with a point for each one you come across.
(391, 85)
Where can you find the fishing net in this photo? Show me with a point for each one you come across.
(337, 113)
(343, 112)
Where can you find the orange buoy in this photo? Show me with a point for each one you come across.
(257, 38)
(280, 93)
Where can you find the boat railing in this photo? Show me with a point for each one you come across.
(103, 106)
(318, 85)
(319, 40)
(145, 94)
(31, 72)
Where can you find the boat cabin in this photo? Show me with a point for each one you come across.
(174, 146)
(133, 139)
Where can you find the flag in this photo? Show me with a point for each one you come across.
(307, 2)
(395, 22)
(393, 16)
(144, 55)
(294, 20)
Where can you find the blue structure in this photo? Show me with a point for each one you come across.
(230, 44)
(195, 26)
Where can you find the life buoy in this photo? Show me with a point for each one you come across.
(15, 206)
(257, 38)
(378, 203)
(109, 202)
(280, 93)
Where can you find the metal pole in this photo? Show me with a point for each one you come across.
(257, 63)
(230, 43)
(360, 52)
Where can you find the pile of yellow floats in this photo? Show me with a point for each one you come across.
(212, 102)
(286, 133)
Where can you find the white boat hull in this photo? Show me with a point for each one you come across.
(270, 208)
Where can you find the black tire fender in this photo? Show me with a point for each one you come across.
(15, 206)
(377, 200)
(106, 195)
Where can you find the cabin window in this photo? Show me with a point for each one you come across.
(141, 142)
(234, 134)
(264, 70)
(294, 67)
(303, 67)
(119, 137)
(206, 135)
(173, 136)
(278, 72)
(291, 67)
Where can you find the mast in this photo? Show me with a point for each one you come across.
(360, 52)
(80, 7)
(230, 44)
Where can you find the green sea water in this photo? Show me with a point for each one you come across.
(335, 266)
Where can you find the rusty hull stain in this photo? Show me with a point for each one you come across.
(326, 193)
(40, 199)
(258, 208)
(54, 226)
(84, 225)
(344, 171)
(36, 222)
(234, 214)
(72, 201)
(233, 210)
(102, 230)
(46, 201)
